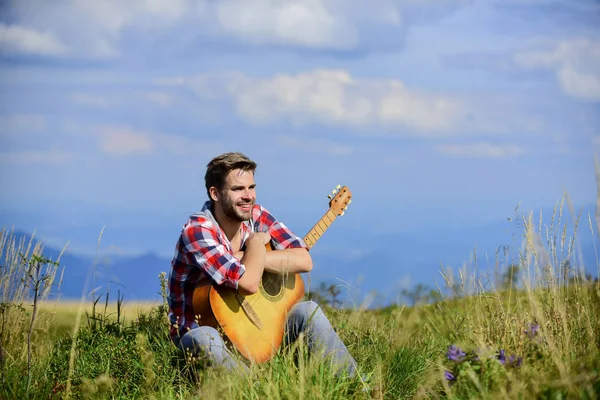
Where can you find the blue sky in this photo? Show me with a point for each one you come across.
(436, 114)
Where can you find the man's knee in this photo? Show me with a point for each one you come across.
(201, 339)
(306, 310)
(310, 306)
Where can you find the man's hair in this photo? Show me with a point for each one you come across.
(218, 168)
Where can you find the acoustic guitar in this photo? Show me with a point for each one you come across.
(255, 323)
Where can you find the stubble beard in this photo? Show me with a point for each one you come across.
(231, 211)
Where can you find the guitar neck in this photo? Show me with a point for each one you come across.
(320, 227)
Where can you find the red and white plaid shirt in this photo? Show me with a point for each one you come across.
(203, 255)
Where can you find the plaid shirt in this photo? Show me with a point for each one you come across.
(203, 255)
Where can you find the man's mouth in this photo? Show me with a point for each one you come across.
(245, 206)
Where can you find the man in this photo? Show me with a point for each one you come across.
(224, 244)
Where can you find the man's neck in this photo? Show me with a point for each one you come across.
(229, 226)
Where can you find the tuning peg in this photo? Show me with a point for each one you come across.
(329, 196)
(338, 187)
(342, 213)
(349, 201)
(333, 191)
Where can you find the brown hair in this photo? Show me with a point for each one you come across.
(218, 168)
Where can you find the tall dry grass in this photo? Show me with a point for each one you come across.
(536, 338)
(549, 321)
(26, 280)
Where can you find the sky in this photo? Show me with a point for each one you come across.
(435, 114)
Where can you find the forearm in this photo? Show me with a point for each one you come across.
(285, 261)
(254, 259)
(290, 261)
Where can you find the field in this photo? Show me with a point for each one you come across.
(535, 335)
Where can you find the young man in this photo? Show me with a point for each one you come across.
(224, 244)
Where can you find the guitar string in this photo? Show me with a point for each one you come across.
(314, 229)
(310, 241)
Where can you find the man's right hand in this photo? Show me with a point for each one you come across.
(261, 238)
(254, 259)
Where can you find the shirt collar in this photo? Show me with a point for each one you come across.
(246, 225)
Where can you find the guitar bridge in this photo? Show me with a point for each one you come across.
(249, 311)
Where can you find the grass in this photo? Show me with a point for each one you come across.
(539, 338)
(63, 313)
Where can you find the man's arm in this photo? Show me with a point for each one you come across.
(219, 264)
(291, 261)
(290, 254)
(288, 261)
(254, 259)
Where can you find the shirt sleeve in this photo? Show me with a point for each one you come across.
(205, 249)
(281, 236)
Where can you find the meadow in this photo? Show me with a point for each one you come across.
(529, 330)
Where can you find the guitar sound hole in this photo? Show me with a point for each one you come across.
(272, 283)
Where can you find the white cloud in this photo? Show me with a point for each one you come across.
(91, 100)
(315, 145)
(129, 141)
(18, 124)
(125, 98)
(171, 81)
(580, 84)
(480, 150)
(42, 157)
(308, 23)
(426, 112)
(182, 146)
(160, 98)
(333, 97)
(97, 28)
(23, 40)
(94, 28)
(327, 24)
(576, 64)
(124, 141)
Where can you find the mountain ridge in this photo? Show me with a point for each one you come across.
(385, 263)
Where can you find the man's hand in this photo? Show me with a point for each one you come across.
(255, 239)
(258, 237)
(254, 259)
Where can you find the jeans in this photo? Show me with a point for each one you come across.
(304, 317)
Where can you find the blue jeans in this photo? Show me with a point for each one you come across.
(304, 317)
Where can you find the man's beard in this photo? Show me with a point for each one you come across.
(233, 212)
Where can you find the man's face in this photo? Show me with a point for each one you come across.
(238, 195)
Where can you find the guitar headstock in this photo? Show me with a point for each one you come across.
(340, 197)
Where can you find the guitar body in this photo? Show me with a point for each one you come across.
(255, 324)
(257, 344)
(222, 306)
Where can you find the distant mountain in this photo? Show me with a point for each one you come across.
(138, 277)
(397, 261)
(135, 277)
(358, 263)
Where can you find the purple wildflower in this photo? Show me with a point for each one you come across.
(501, 357)
(532, 330)
(476, 354)
(449, 376)
(455, 353)
(514, 360)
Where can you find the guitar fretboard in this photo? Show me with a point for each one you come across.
(320, 227)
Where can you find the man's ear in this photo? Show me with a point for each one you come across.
(214, 193)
